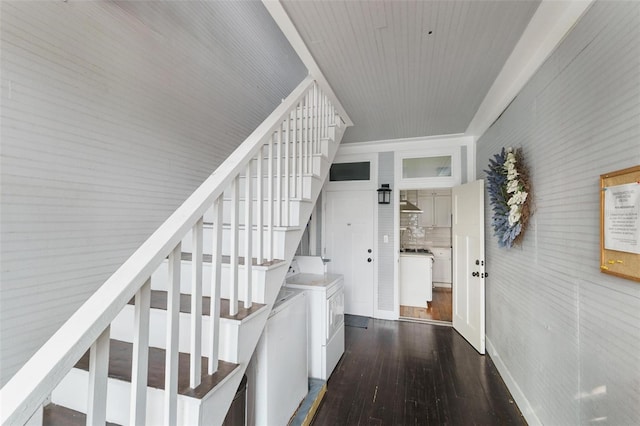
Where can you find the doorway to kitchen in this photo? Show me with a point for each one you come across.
(425, 274)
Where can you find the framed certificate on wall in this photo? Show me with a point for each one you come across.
(620, 223)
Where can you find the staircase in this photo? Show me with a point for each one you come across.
(167, 338)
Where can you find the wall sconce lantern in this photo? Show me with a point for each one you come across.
(384, 194)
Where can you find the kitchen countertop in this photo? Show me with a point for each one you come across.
(415, 254)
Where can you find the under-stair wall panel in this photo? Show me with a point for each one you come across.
(565, 336)
(112, 114)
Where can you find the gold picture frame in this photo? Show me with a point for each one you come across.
(621, 261)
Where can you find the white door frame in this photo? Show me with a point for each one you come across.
(418, 183)
(370, 185)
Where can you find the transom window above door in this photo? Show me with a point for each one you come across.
(426, 167)
(439, 168)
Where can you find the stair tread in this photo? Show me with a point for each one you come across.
(57, 415)
(159, 301)
(120, 355)
(207, 258)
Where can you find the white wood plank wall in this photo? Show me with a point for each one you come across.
(112, 114)
(386, 220)
(567, 337)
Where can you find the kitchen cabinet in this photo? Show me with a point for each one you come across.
(436, 211)
(415, 279)
(441, 264)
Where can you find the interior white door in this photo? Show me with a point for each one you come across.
(468, 262)
(348, 242)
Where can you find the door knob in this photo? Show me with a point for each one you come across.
(369, 260)
(369, 251)
(475, 274)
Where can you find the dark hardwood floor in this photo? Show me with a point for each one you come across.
(439, 309)
(408, 373)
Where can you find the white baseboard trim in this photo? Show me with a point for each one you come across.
(519, 397)
(385, 315)
(443, 285)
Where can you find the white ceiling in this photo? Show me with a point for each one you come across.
(410, 68)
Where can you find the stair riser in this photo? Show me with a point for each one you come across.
(231, 331)
(118, 394)
(322, 146)
(294, 208)
(262, 281)
(298, 188)
(279, 212)
(280, 237)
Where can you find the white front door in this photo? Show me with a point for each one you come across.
(348, 241)
(468, 262)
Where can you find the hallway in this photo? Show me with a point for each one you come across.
(401, 373)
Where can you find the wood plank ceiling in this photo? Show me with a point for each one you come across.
(410, 68)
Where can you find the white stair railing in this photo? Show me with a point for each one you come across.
(291, 136)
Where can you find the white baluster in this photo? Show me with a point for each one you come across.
(310, 138)
(326, 116)
(233, 247)
(216, 277)
(287, 140)
(98, 377)
(260, 212)
(195, 370)
(332, 116)
(270, 182)
(297, 187)
(316, 123)
(140, 359)
(278, 206)
(323, 119)
(307, 131)
(248, 235)
(327, 109)
(300, 148)
(172, 353)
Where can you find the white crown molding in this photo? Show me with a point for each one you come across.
(417, 143)
(551, 22)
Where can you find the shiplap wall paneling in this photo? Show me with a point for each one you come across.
(112, 114)
(566, 336)
(386, 222)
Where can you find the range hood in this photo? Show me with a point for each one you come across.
(408, 207)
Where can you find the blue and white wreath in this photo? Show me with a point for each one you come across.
(509, 194)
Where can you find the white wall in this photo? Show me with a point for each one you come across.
(566, 337)
(112, 113)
